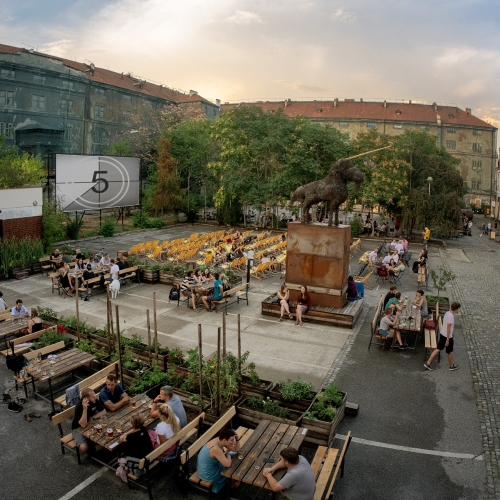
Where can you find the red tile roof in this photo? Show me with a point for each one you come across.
(356, 110)
(114, 79)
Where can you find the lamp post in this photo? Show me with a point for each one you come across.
(429, 180)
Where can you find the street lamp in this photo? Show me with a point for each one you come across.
(429, 180)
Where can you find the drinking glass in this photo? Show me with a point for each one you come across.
(110, 432)
(52, 371)
(118, 427)
(133, 404)
(144, 400)
(104, 421)
(98, 428)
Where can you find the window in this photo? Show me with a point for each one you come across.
(477, 147)
(6, 98)
(127, 98)
(6, 129)
(68, 133)
(451, 130)
(39, 79)
(424, 128)
(98, 136)
(451, 144)
(98, 111)
(344, 124)
(126, 117)
(477, 165)
(9, 74)
(398, 125)
(99, 92)
(37, 102)
(66, 106)
(476, 184)
(476, 132)
(67, 85)
(371, 125)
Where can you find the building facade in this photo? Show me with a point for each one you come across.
(52, 105)
(468, 138)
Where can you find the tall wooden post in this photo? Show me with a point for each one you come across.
(224, 336)
(77, 310)
(110, 319)
(119, 342)
(218, 373)
(149, 335)
(200, 367)
(155, 326)
(239, 354)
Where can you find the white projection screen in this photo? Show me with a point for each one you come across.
(95, 182)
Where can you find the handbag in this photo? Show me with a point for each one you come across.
(15, 362)
(429, 324)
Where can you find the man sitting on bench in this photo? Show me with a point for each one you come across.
(299, 482)
(112, 395)
(217, 293)
(167, 396)
(89, 408)
(188, 288)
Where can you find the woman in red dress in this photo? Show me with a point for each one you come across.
(303, 303)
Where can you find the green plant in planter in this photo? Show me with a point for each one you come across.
(149, 379)
(433, 298)
(71, 324)
(87, 346)
(293, 390)
(128, 360)
(49, 338)
(163, 351)
(46, 313)
(328, 401)
(176, 357)
(267, 406)
(135, 341)
(442, 278)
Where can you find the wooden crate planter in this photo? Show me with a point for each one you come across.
(443, 306)
(320, 432)
(262, 390)
(300, 405)
(150, 276)
(167, 278)
(254, 417)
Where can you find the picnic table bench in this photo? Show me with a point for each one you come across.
(94, 284)
(233, 296)
(18, 342)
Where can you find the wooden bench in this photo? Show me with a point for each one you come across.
(195, 481)
(150, 462)
(232, 296)
(431, 335)
(375, 338)
(129, 273)
(25, 339)
(46, 264)
(5, 315)
(94, 382)
(423, 275)
(92, 285)
(67, 441)
(323, 466)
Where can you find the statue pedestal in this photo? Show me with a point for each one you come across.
(318, 256)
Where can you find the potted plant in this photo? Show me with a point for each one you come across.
(150, 382)
(251, 384)
(150, 273)
(440, 280)
(295, 394)
(166, 274)
(48, 315)
(252, 410)
(50, 337)
(324, 415)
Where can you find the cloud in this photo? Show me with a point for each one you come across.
(59, 48)
(244, 17)
(343, 16)
(304, 87)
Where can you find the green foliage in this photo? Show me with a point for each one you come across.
(356, 226)
(433, 298)
(441, 278)
(149, 379)
(88, 346)
(129, 361)
(267, 406)
(53, 223)
(176, 357)
(15, 252)
(73, 228)
(108, 227)
(143, 221)
(293, 390)
(46, 313)
(71, 323)
(18, 171)
(49, 338)
(325, 407)
(120, 148)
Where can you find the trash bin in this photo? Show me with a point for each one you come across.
(492, 235)
(360, 287)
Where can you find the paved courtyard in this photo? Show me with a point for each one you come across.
(418, 434)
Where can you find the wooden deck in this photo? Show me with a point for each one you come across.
(345, 317)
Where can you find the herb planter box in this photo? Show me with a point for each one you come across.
(322, 433)
(299, 405)
(254, 417)
(444, 305)
(150, 276)
(260, 391)
(167, 277)
(21, 270)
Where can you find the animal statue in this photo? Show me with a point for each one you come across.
(331, 189)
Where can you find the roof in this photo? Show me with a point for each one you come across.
(121, 80)
(361, 110)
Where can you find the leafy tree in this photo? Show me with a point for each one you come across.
(54, 223)
(18, 171)
(121, 148)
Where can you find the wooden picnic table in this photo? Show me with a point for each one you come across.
(10, 327)
(51, 368)
(121, 416)
(266, 441)
(409, 321)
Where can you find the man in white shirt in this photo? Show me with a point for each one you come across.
(105, 262)
(3, 305)
(395, 256)
(114, 271)
(19, 311)
(387, 260)
(400, 247)
(372, 258)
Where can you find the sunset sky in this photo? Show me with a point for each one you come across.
(427, 51)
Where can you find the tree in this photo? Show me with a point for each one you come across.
(53, 223)
(18, 171)
(121, 148)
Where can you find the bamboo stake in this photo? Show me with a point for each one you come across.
(239, 353)
(200, 367)
(77, 310)
(218, 373)
(119, 341)
(367, 153)
(155, 326)
(108, 307)
(149, 335)
(224, 336)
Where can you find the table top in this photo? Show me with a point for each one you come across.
(65, 362)
(266, 441)
(11, 326)
(123, 416)
(409, 311)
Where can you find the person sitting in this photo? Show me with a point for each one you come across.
(372, 258)
(79, 255)
(390, 294)
(385, 329)
(303, 304)
(265, 258)
(168, 427)
(112, 395)
(421, 261)
(221, 254)
(197, 276)
(19, 311)
(206, 276)
(55, 258)
(298, 482)
(421, 302)
(35, 324)
(352, 291)
(137, 444)
(395, 300)
(89, 408)
(88, 273)
(105, 260)
(188, 288)
(3, 304)
(395, 256)
(237, 236)
(400, 267)
(400, 247)
(215, 296)
(283, 297)
(119, 263)
(168, 397)
(79, 266)
(212, 459)
(391, 268)
(383, 229)
(387, 259)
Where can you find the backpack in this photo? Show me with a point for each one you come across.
(154, 438)
(15, 362)
(174, 294)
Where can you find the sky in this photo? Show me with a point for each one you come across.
(444, 51)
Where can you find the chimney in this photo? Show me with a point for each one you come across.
(435, 106)
(360, 99)
(288, 102)
(438, 119)
(409, 102)
(335, 102)
(217, 102)
(192, 93)
(385, 104)
(468, 111)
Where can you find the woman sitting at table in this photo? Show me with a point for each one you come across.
(284, 296)
(391, 271)
(421, 302)
(35, 324)
(197, 276)
(80, 266)
(137, 444)
(64, 277)
(303, 304)
(212, 459)
(385, 329)
(206, 275)
(168, 427)
(225, 284)
(232, 253)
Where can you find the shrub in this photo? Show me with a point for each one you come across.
(356, 227)
(49, 338)
(73, 228)
(293, 390)
(16, 252)
(143, 221)
(108, 227)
